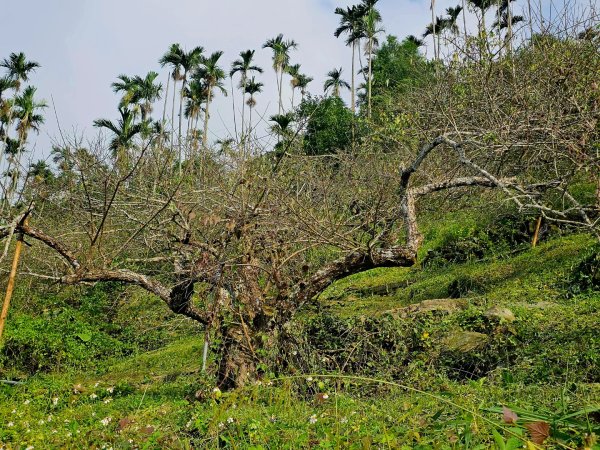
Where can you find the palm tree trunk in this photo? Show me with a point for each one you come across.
(280, 90)
(353, 94)
(370, 73)
(234, 118)
(181, 114)
(509, 34)
(173, 110)
(244, 82)
(464, 14)
(206, 117)
(250, 118)
(433, 30)
(164, 116)
(530, 21)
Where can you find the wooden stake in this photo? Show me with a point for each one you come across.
(11, 281)
(537, 231)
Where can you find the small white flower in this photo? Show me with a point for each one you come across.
(41, 422)
(215, 390)
(10, 424)
(96, 385)
(31, 447)
(230, 420)
(309, 379)
(27, 402)
(106, 421)
(312, 419)
(93, 414)
(270, 383)
(14, 411)
(344, 420)
(189, 424)
(130, 441)
(93, 396)
(69, 434)
(325, 396)
(221, 425)
(55, 401)
(49, 419)
(107, 400)
(54, 431)
(294, 353)
(110, 390)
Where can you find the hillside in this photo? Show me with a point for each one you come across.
(540, 359)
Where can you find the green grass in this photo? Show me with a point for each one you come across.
(147, 400)
(529, 277)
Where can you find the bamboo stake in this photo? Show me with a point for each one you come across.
(11, 281)
(537, 231)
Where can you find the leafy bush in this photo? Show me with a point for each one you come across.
(502, 235)
(55, 341)
(586, 276)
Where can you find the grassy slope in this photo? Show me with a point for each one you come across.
(153, 391)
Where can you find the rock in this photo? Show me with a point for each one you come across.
(464, 341)
(499, 313)
(444, 305)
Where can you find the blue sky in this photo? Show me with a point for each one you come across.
(83, 45)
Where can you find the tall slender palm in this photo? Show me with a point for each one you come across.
(212, 75)
(334, 82)
(26, 111)
(303, 82)
(351, 25)
(18, 68)
(253, 87)
(244, 66)
(436, 29)
(281, 127)
(433, 30)
(6, 105)
(505, 20)
(281, 59)
(173, 58)
(482, 6)
(139, 92)
(371, 28)
(190, 62)
(124, 132)
(146, 92)
(452, 18)
(195, 95)
(294, 72)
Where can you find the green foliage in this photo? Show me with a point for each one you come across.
(502, 235)
(397, 67)
(58, 340)
(586, 276)
(328, 125)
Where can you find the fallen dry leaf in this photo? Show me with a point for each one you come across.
(540, 431)
(509, 416)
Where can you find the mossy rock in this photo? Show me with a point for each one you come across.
(500, 314)
(464, 341)
(443, 305)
